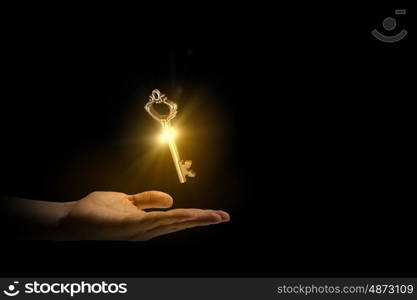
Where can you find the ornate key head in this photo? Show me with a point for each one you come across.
(156, 98)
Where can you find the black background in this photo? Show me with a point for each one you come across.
(299, 126)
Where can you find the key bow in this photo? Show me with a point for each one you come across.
(157, 97)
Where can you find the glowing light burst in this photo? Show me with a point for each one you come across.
(168, 135)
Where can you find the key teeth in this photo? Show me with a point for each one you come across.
(186, 165)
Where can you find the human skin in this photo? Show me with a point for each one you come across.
(111, 216)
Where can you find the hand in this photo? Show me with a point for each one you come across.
(117, 216)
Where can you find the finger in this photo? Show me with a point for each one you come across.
(178, 227)
(225, 216)
(151, 199)
(156, 219)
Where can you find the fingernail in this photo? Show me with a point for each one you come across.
(218, 217)
(224, 215)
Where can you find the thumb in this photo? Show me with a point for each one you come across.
(151, 199)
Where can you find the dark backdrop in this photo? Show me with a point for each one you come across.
(297, 120)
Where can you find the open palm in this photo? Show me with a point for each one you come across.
(118, 216)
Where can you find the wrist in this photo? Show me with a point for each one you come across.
(39, 219)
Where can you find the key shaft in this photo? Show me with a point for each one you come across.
(166, 127)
